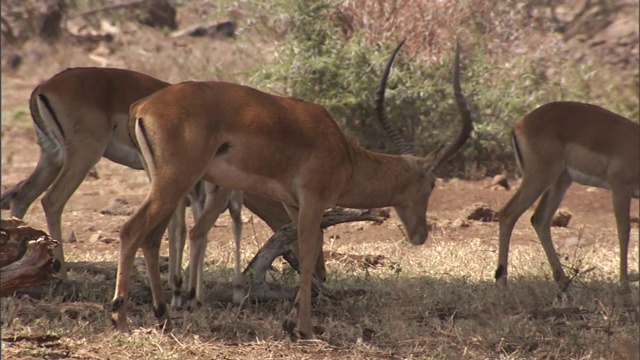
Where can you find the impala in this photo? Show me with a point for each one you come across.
(285, 148)
(80, 115)
(557, 144)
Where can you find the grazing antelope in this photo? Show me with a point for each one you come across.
(80, 115)
(285, 148)
(557, 144)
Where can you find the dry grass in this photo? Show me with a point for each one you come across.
(418, 302)
(437, 301)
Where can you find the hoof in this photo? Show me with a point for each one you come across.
(119, 324)
(56, 267)
(241, 286)
(118, 314)
(239, 296)
(162, 315)
(193, 305)
(291, 328)
(176, 302)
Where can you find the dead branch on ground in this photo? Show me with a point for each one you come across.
(26, 259)
(253, 284)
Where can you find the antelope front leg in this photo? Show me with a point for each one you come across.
(621, 206)
(309, 246)
(236, 199)
(522, 199)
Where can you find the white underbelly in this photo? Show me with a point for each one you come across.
(587, 179)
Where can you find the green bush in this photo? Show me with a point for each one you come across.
(317, 62)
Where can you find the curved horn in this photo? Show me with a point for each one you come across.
(467, 124)
(400, 142)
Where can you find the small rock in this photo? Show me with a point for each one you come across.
(571, 241)
(117, 206)
(93, 173)
(107, 240)
(500, 182)
(95, 237)
(459, 223)
(481, 212)
(159, 14)
(71, 238)
(561, 218)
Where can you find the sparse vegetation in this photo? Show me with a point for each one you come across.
(436, 301)
(333, 53)
(19, 117)
(418, 302)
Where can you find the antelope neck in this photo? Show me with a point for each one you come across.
(380, 180)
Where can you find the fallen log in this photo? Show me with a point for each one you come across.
(223, 29)
(252, 283)
(26, 257)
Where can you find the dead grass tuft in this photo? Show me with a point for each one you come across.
(425, 305)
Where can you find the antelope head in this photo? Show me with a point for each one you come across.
(413, 210)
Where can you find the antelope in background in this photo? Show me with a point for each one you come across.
(557, 144)
(79, 116)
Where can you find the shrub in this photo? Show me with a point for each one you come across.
(329, 57)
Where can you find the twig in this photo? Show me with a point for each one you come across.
(108, 7)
